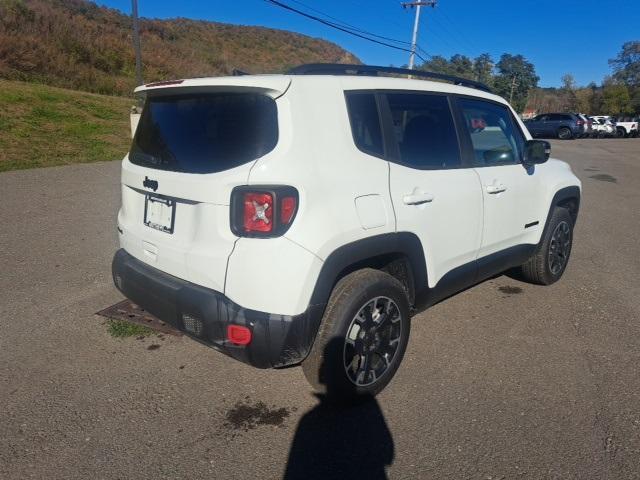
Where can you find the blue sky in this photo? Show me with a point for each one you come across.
(559, 37)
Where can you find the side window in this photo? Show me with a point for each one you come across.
(365, 123)
(495, 138)
(424, 129)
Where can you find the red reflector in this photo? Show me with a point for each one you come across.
(238, 335)
(258, 212)
(287, 209)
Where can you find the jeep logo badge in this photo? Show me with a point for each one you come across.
(148, 183)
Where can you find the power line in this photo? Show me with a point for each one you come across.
(349, 26)
(461, 34)
(338, 27)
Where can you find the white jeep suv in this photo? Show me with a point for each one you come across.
(303, 218)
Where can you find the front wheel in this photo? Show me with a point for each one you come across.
(549, 262)
(362, 338)
(621, 132)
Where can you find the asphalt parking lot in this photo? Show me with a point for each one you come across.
(506, 380)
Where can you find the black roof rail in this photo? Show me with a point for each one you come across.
(372, 70)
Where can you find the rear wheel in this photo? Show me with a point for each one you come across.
(362, 339)
(565, 133)
(549, 262)
(621, 132)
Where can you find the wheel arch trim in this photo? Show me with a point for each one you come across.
(564, 194)
(343, 260)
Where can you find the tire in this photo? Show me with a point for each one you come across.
(549, 262)
(633, 134)
(565, 133)
(334, 368)
(621, 132)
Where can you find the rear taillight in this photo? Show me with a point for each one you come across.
(263, 211)
(580, 123)
(288, 207)
(257, 212)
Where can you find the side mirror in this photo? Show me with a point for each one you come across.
(536, 151)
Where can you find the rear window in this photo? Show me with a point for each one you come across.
(204, 133)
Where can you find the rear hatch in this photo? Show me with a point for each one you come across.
(196, 141)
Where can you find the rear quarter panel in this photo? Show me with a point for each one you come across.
(317, 156)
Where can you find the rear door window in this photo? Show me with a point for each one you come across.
(424, 130)
(204, 132)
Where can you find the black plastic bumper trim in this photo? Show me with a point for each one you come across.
(277, 340)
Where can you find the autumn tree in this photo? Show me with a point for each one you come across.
(568, 92)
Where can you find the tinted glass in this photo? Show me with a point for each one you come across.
(365, 122)
(204, 133)
(424, 129)
(495, 138)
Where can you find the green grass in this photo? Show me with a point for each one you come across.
(42, 126)
(122, 329)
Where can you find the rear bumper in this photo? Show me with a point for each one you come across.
(204, 314)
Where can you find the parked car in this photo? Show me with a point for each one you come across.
(587, 125)
(603, 127)
(626, 127)
(303, 218)
(556, 125)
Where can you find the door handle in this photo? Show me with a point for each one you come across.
(496, 188)
(417, 198)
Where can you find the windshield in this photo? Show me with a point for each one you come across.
(204, 132)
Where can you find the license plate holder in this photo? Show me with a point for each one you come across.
(159, 213)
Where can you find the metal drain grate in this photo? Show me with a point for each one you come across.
(130, 312)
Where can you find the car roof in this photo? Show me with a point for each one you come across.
(277, 84)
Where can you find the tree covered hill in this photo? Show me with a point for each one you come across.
(77, 44)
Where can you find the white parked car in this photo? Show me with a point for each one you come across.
(602, 127)
(626, 127)
(303, 218)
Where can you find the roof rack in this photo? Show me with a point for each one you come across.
(372, 70)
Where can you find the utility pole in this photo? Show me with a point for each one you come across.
(136, 42)
(416, 23)
(513, 86)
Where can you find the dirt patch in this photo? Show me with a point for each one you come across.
(135, 321)
(510, 290)
(153, 346)
(603, 177)
(246, 416)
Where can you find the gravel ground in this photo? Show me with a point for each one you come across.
(506, 380)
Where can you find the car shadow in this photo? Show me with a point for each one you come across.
(334, 441)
